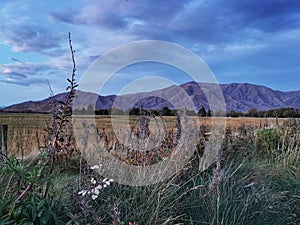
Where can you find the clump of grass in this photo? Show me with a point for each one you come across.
(159, 203)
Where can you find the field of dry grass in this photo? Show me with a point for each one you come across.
(25, 131)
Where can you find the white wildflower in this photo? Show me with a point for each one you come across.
(104, 180)
(93, 181)
(249, 185)
(83, 192)
(99, 187)
(95, 191)
(94, 197)
(95, 167)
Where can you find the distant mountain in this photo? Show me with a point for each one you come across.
(238, 97)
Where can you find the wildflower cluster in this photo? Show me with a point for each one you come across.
(96, 185)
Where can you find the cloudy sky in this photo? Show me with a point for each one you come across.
(254, 41)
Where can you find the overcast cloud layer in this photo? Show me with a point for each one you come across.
(251, 41)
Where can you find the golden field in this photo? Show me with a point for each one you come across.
(26, 131)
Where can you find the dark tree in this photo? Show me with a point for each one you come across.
(202, 112)
(166, 111)
(134, 111)
(209, 112)
(252, 112)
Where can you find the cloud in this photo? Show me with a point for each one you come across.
(208, 27)
(24, 74)
(22, 28)
(129, 16)
(268, 16)
(93, 14)
(66, 16)
(232, 21)
(190, 20)
(25, 68)
(271, 61)
(27, 82)
(24, 37)
(14, 75)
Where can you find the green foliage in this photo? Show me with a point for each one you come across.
(268, 141)
(34, 209)
(23, 175)
(23, 199)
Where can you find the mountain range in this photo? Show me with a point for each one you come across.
(238, 97)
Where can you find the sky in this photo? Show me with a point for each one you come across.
(249, 41)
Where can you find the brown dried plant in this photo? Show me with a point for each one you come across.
(59, 140)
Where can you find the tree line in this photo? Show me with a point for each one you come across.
(202, 112)
(280, 113)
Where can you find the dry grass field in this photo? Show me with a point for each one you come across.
(25, 131)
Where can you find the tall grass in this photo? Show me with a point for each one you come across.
(255, 187)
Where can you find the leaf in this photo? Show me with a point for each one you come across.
(5, 221)
(17, 212)
(33, 213)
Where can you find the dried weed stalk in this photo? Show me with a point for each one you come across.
(59, 140)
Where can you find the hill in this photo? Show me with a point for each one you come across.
(238, 97)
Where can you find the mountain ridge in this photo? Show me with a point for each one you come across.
(238, 97)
